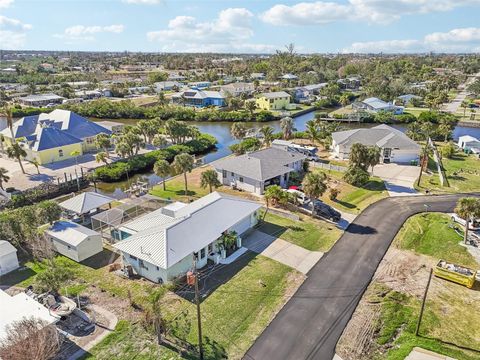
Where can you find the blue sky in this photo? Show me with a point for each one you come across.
(246, 26)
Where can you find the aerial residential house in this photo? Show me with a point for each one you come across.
(255, 171)
(279, 100)
(167, 86)
(350, 83)
(40, 100)
(199, 98)
(374, 104)
(54, 136)
(199, 85)
(162, 245)
(405, 99)
(307, 92)
(73, 240)
(237, 88)
(469, 143)
(257, 76)
(176, 77)
(396, 147)
(8, 257)
(88, 94)
(289, 77)
(113, 126)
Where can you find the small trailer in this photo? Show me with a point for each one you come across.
(455, 273)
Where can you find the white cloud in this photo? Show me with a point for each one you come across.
(373, 11)
(13, 33)
(5, 3)
(86, 33)
(231, 30)
(143, 2)
(456, 40)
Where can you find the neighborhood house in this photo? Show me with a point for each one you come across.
(55, 136)
(273, 101)
(396, 147)
(199, 98)
(253, 172)
(375, 105)
(469, 143)
(162, 245)
(237, 89)
(40, 100)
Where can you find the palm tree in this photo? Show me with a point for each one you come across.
(426, 129)
(101, 157)
(162, 168)
(75, 154)
(238, 130)
(7, 112)
(344, 100)
(3, 177)
(374, 154)
(314, 185)
(209, 178)
(464, 105)
(184, 163)
(250, 106)
(15, 151)
(102, 141)
(267, 133)
(287, 126)
(35, 163)
(313, 131)
(467, 208)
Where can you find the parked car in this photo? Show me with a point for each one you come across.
(473, 224)
(300, 196)
(322, 210)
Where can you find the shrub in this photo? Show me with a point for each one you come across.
(333, 194)
(356, 176)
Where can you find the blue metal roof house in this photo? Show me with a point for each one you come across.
(199, 98)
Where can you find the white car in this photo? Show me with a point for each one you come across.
(473, 224)
(301, 197)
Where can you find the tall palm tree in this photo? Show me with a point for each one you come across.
(287, 126)
(75, 154)
(467, 208)
(102, 141)
(314, 185)
(101, 157)
(250, 106)
(238, 130)
(267, 133)
(35, 163)
(312, 131)
(426, 129)
(3, 177)
(162, 168)
(184, 163)
(7, 112)
(15, 151)
(209, 178)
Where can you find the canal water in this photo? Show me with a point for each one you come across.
(221, 131)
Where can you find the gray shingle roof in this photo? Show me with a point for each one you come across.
(381, 136)
(273, 95)
(85, 202)
(260, 165)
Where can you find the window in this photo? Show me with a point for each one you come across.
(158, 268)
(202, 253)
(133, 257)
(233, 174)
(240, 179)
(60, 153)
(224, 173)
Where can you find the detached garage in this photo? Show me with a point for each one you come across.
(74, 241)
(8, 257)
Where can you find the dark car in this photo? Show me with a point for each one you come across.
(323, 210)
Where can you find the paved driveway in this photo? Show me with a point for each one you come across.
(312, 321)
(399, 179)
(282, 251)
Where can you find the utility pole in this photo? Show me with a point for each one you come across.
(197, 301)
(423, 302)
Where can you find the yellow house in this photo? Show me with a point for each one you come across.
(54, 137)
(273, 101)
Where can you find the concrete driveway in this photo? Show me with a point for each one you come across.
(399, 179)
(282, 251)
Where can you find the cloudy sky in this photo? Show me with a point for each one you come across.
(246, 26)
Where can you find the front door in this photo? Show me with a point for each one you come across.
(387, 153)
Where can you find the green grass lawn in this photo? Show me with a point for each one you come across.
(396, 338)
(311, 234)
(351, 198)
(233, 316)
(462, 171)
(415, 111)
(431, 234)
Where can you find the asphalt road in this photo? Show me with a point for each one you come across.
(311, 323)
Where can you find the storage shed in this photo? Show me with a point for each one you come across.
(74, 241)
(8, 257)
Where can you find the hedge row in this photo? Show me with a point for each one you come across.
(144, 162)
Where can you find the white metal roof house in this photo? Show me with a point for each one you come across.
(375, 105)
(20, 306)
(163, 243)
(74, 241)
(8, 257)
(254, 171)
(467, 142)
(396, 146)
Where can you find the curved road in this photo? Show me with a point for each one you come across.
(312, 321)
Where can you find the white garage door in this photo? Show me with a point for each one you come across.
(404, 157)
(242, 226)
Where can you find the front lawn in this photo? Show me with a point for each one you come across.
(311, 234)
(351, 198)
(432, 234)
(462, 171)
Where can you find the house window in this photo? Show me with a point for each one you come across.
(202, 253)
(240, 179)
(158, 268)
(133, 257)
(233, 174)
(224, 173)
(60, 153)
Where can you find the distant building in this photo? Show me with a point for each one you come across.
(289, 77)
(199, 98)
(54, 136)
(273, 101)
(374, 104)
(176, 77)
(8, 257)
(167, 85)
(307, 92)
(115, 127)
(40, 100)
(88, 94)
(257, 76)
(350, 83)
(199, 85)
(396, 147)
(237, 88)
(405, 99)
(469, 143)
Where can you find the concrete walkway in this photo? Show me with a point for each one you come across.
(282, 251)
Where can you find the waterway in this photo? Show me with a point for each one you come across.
(221, 131)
